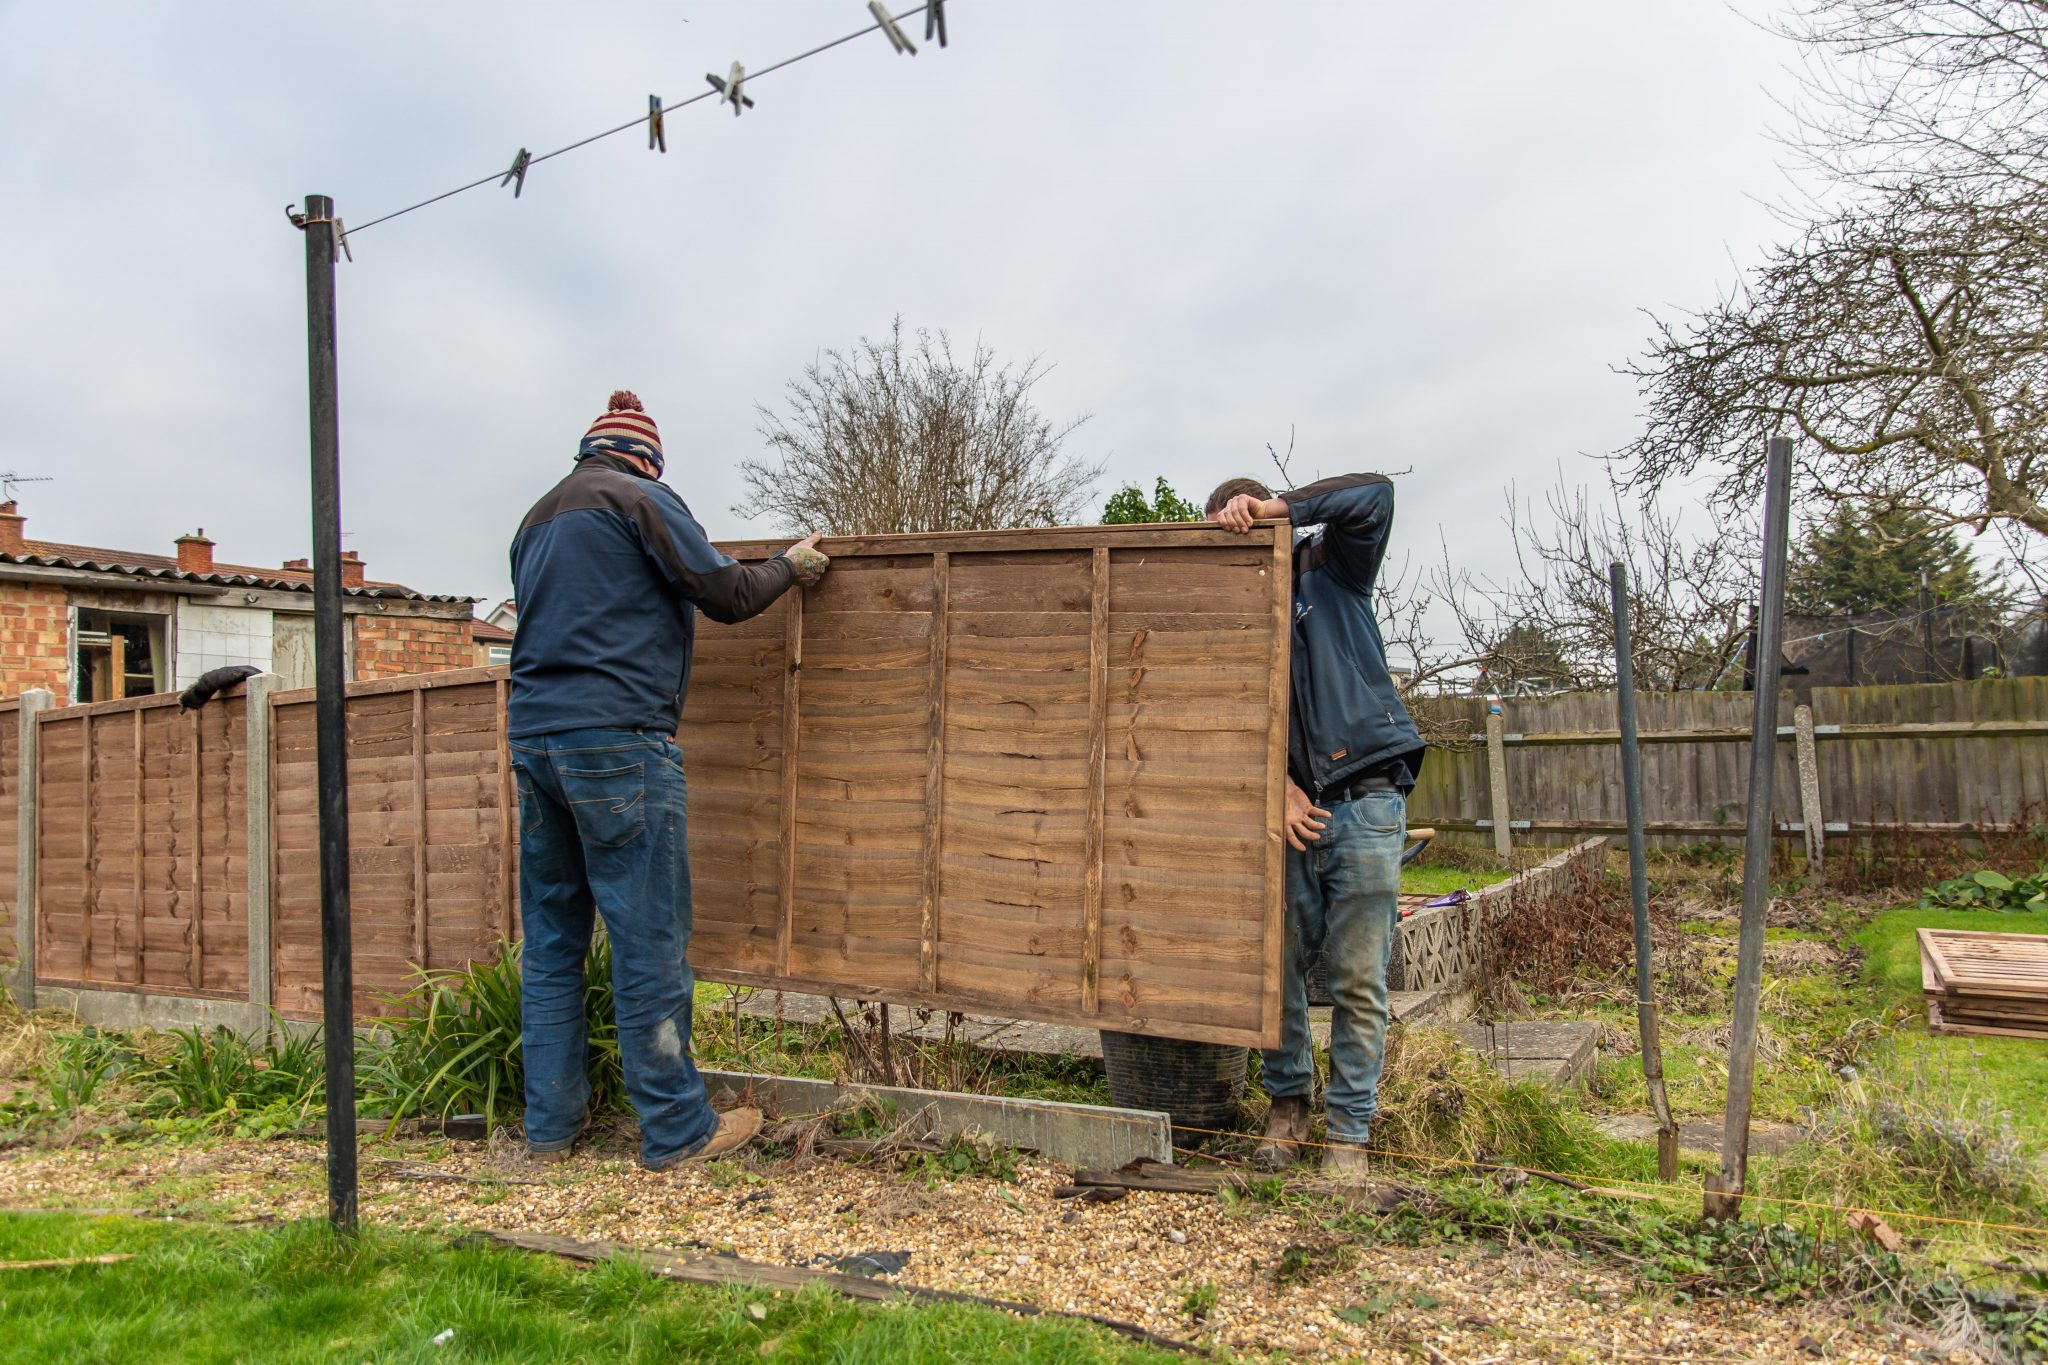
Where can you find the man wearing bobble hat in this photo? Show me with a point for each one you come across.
(609, 570)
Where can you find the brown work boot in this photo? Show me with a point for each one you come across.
(1346, 1161)
(736, 1128)
(1286, 1131)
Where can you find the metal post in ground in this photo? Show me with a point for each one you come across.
(1926, 629)
(1725, 1186)
(1639, 878)
(337, 973)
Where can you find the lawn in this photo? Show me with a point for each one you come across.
(294, 1293)
(2012, 1071)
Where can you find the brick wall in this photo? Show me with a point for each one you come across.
(388, 646)
(35, 648)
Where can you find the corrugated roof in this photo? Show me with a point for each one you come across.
(93, 559)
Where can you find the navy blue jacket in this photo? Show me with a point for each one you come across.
(606, 569)
(1346, 717)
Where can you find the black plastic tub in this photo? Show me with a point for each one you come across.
(1198, 1085)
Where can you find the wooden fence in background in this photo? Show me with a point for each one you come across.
(974, 770)
(1939, 758)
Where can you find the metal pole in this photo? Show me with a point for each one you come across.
(337, 984)
(1639, 878)
(1926, 629)
(1725, 1186)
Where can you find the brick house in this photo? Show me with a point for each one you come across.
(493, 641)
(90, 624)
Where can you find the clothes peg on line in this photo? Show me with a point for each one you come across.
(898, 39)
(935, 21)
(657, 135)
(729, 89)
(516, 177)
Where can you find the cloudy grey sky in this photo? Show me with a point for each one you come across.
(1420, 234)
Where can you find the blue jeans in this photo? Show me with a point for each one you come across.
(602, 832)
(1343, 896)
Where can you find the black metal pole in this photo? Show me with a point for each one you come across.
(1725, 1186)
(337, 974)
(1639, 878)
(1927, 630)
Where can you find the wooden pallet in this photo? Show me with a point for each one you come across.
(1985, 983)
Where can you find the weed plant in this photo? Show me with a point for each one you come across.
(454, 1045)
(1441, 1100)
(1918, 1138)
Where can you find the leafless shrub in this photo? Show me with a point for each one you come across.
(901, 435)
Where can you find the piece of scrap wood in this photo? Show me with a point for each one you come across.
(756, 1274)
(1875, 1229)
(59, 1262)
(1609, 1192)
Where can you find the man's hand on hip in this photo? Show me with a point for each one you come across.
(1242, 511)
(807, 561)
(1305, 820)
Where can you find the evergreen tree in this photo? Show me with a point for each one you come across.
(1129, 507)
(1850, 565)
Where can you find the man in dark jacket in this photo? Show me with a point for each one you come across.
(1352, 756)
(609, 570)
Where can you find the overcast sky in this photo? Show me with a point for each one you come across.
(1420, 234)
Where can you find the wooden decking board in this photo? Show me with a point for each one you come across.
(1976, 981)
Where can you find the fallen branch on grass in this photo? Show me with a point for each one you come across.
(731, 1270)
(59, 1262)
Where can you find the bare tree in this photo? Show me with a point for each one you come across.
(1900, 93)
(1902, 342)
(900, 435)
(1552, 617)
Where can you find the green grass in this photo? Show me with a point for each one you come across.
(295, 1293)
(1431, 879)
(2013, 1072)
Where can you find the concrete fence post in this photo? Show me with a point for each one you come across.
(1497, 780)
(33, 701)
(1808, 762)
(256, 715)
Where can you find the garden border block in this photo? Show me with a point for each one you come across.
(1073, 1134)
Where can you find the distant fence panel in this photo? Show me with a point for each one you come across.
(432, 849)
(10, 826)
(141, 836)
(1945, 757)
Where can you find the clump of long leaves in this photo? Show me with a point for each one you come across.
(453, 1045)
(227, 1078)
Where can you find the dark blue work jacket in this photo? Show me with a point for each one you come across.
(608, 570)
(1346, 718)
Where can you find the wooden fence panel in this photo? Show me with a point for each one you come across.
(1938, 760)
(142, 847)
(10, 825)
(431, 839)
(982, 770)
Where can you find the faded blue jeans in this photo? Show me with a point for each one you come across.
(1343, 896)
(602, 832)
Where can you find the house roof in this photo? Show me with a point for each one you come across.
(55, 554)
(484, 633)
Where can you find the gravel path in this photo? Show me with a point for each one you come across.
(1137, 1260)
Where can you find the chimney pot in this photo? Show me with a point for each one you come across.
(12, 534)
(195, 553)
(351, 569)
(298, 566)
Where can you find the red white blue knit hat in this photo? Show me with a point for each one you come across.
(625, 429)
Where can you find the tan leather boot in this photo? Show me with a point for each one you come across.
(1286, 1130)
(736, 1128)
(1348, 1162)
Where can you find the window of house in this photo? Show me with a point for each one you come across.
(117, 654)
(501, 654)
